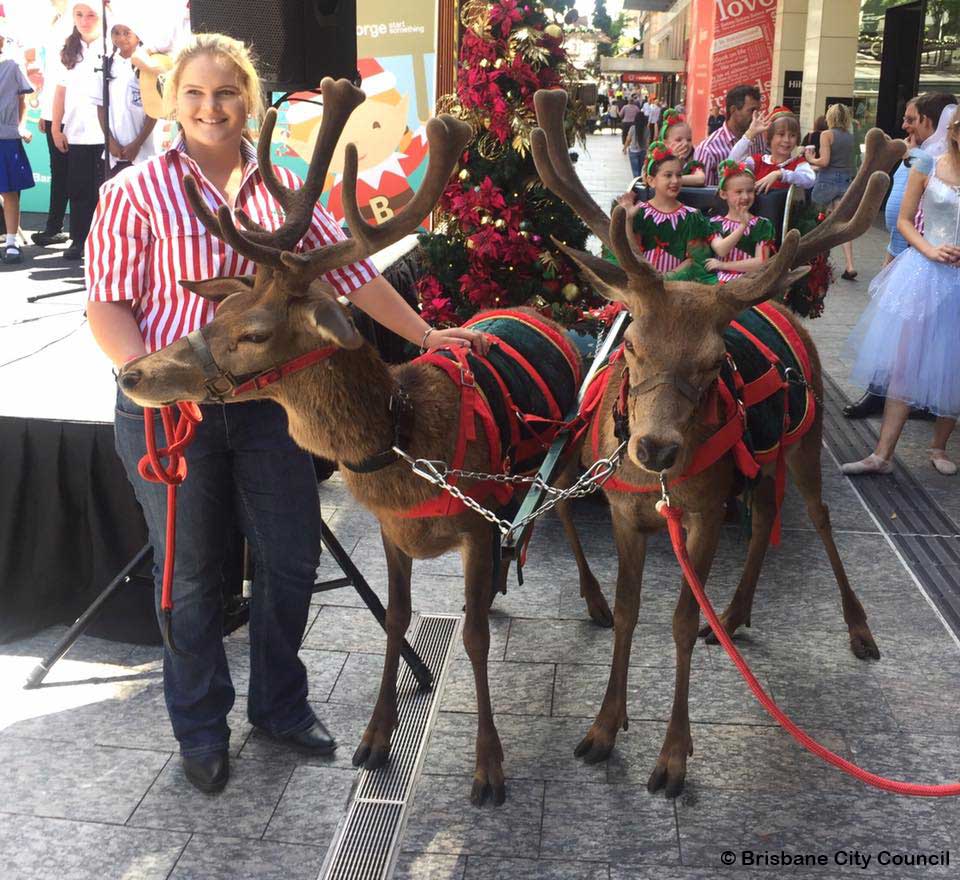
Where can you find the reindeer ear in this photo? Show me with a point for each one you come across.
(330, 320)
(218, 289)
(607, 278)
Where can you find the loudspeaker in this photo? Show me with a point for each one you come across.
(296, 43)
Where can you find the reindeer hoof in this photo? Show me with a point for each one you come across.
(483, 791)
(863, 645)
(596, 746)
(597, 606)
(370, 758)
(671, 770)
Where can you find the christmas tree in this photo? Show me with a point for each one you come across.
(492, 247)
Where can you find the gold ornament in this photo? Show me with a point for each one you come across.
(464, 175)
(484, 62)
(475, 15)
(499, 223)
(485, 219)
(570, 292)
(554, 30)
(498, 63)
(470, 244)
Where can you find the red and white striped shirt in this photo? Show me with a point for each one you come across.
(145, 238)
(716, 147)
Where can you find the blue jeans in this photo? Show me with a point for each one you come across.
(244, 472)
(636, 162)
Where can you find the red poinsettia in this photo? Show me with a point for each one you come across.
(502, 17)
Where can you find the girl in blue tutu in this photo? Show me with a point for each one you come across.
(15, 172)
(907, 339)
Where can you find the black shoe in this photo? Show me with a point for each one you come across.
(47, 238)
(869, 405)
(74, 253)
(922, 415)
(315, 740)
(209, 772)
(848, 276)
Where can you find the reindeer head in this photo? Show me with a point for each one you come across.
(674, 347)
(286, 309)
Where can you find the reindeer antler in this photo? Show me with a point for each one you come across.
(859, 205)
(552, 160)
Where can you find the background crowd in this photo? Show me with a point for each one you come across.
(64, 62)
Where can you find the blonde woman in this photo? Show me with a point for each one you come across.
(245, 471)
(907, 338)
(835, 168)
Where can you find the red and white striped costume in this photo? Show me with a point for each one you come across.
(664, 237)
(713, 149)
(145, 238)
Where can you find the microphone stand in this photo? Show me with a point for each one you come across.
(107, 68)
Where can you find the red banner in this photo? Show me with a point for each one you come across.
(731, 44)
(743, 46)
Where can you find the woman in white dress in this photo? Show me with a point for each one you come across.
(907, 337)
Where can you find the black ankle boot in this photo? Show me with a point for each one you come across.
(208, 772)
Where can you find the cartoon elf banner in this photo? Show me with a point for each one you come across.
(396, 48)
(396, 57)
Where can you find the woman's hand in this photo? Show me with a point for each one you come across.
(713, 264)
(767, 182)
(945, 253)
(116, 150)
(42, 125)
(60, 141)
(25, 134)
(682, 151)
(458, 337)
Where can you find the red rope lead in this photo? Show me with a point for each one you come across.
(152, 468)
(674, 515)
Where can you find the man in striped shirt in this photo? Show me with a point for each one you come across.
(742, 102)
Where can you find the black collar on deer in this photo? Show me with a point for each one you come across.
(222, 383)
(401, 411)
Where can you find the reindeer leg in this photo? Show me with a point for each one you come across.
(374, 747)
(478, 570)
(703, 533)
(763, 506)
(804, 465)
(631, 552)
(590, 591)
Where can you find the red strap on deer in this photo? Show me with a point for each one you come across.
(473, 405)
(275, 374)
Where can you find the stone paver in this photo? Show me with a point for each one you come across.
(92, 788)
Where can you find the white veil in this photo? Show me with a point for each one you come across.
(936, 144)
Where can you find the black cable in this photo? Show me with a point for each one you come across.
(31, 354)
(40, 318)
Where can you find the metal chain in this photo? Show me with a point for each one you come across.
(590, 481)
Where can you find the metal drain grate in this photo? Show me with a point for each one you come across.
(363, 848)
(927, 538)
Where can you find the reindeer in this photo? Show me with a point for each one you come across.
(340, 408)
(674, 350)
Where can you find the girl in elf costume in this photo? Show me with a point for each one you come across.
(674, 238)
(678, 136)
(742, 241)
(780, 168)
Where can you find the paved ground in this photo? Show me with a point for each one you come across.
(92, 788)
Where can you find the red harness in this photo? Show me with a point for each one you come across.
(724, 410)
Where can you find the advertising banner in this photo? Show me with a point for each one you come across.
(396, 49)
(396, 57)
(731, 44)
(743, 46)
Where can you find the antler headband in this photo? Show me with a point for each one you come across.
(657, 152)
(728, 169)
(671, 117)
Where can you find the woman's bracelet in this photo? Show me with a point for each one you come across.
(423, 342)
